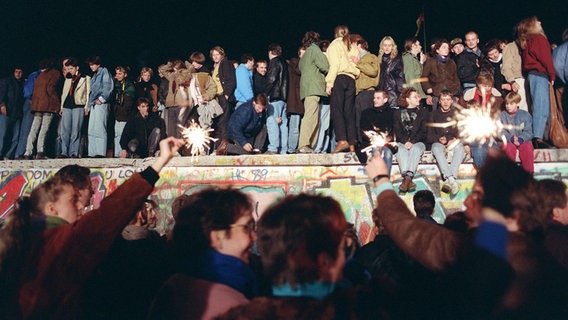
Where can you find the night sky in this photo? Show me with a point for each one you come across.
(142, 32)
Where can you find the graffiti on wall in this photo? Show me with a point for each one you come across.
(348, 184)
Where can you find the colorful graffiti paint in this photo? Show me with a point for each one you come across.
(347, 182)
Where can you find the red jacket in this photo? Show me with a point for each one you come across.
(537, 56)
(61, 259)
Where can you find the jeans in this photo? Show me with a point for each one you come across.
(322, 143)
(479, 153)
(452, 170)
(277, 132)
(118, 128)
(40, 126)
(540, 103)
(386, 153)
(408, 160)
(97, 131)
(25, 128)
(71, 124)
(294, 132)
(9, 135)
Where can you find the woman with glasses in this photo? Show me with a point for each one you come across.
(212, 237)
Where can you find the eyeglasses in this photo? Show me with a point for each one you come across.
(249, 227)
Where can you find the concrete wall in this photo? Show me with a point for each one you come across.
(265, 178)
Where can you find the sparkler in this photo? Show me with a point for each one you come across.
(196, 139)
(377, 139)
(475, 125)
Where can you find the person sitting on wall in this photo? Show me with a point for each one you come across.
(142, 133)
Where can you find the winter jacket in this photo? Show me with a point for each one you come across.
(440, 76)
(277, 79)
(466, 63)
(494, 68)
(139, 128)
(521, 123)
(29, 84)
(512, 63)
(339, 62)
(226, 75)
(412, 72)
(123, 102)
(294, 104)
(560, 59)
(101, 87)
(243, 91)
(46, 96)
(12, 96)
(147, 90)
(80, 92)
(313, 67)
(368, 79)
(537, 56)
(244, 123)
(392, 78)
(435, 133)
(60, 260)
(409, 125)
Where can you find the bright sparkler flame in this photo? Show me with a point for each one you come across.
(196, 139)
(378, 140)
(476, 125)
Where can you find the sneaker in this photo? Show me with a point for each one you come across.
(446, 187)
(455, 187)
(41, 156)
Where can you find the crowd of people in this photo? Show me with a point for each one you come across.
(504, 257)
(310, 103)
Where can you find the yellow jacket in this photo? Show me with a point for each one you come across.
(339, 62)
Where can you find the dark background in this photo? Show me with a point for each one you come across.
(138, 33)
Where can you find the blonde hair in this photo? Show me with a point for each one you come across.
(342, 31)
(144, 70)
(527, 28)
(394, 52)
(512, 97)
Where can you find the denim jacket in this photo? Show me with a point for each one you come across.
(101, 87)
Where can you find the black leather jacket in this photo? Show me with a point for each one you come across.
(277, 79)
(392, 78)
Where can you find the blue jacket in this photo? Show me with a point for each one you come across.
(29, 85)
(522, 121)
(560, 59)
(244, 123)
(101, 87)
(243, 91)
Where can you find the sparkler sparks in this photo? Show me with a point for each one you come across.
(196, 139)
(476, 125)
(378, 140)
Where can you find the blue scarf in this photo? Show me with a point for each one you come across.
(214, 266)
(317, 290)
(442, 59)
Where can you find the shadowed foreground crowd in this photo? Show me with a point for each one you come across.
(504, 257)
